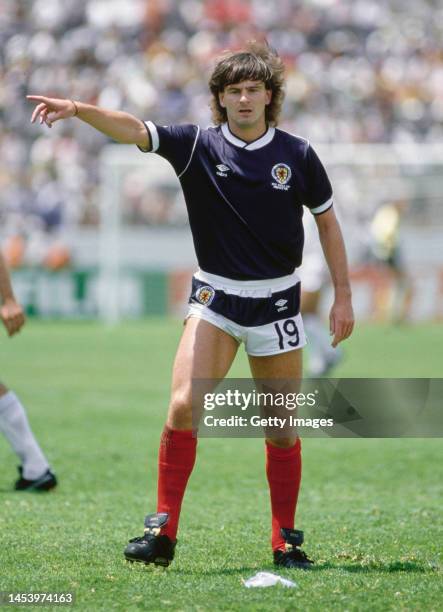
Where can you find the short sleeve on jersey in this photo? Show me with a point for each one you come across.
(176, 143)
(318, 196)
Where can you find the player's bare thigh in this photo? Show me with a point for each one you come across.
(284, 366)
(204, 352)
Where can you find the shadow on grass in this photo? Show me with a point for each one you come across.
(375, 567)
(25, 492)
(387, 568)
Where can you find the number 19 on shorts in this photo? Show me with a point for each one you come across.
(287, 332)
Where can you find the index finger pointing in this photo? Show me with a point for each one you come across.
(37, 98)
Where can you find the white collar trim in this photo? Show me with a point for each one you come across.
(249, 146)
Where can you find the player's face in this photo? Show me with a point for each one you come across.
(245, 104)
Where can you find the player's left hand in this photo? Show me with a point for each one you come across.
(12, 316)
(341, 319)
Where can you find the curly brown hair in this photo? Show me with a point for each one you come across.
(257, 62)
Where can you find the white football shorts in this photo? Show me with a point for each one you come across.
(264, 314)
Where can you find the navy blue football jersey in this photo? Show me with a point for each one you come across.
(245, 199)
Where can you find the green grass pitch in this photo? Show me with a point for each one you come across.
(97, 397)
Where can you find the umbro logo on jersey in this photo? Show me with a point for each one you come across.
(222, 170)
(281, 173)
(281, 305)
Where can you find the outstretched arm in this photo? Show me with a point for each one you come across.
(11, 313)
(119, 126)
(341, 317)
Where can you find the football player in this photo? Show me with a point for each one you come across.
(386, 252)
(34, 471)
(245, 184)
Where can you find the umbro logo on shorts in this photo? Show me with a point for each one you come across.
(222, 170)
(281, 305)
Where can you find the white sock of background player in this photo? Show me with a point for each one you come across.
(14, 424)
(321, 352)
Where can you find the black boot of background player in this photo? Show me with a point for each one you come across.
(45, 482)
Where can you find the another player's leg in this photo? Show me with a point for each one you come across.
(205, 352)
(402, 297)
(322, 357)
(283, 466)
(35, 473)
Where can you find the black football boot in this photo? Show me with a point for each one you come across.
(292, 556)
(45, 482)
(152, 547)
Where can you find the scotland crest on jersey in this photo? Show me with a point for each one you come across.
(281, 173)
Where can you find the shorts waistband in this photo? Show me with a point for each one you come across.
(282, 282)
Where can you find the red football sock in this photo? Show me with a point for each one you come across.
(283, 469)
(176, 459)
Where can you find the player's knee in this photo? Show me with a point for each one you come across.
(180, 411)
(181, 402)
(282, 442)
(3, 390)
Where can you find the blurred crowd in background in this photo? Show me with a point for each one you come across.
(357, 71)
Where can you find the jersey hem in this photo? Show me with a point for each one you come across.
(281, 282)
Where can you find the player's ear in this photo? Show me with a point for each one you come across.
(268, 96)
(221, 98)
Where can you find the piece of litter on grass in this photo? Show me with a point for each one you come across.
(267, 579)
